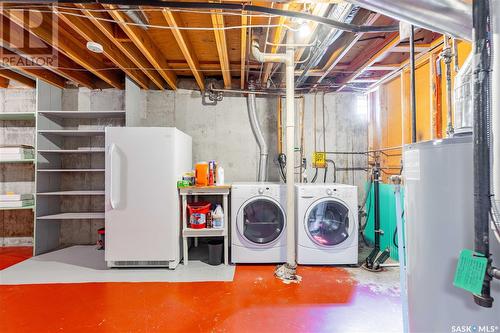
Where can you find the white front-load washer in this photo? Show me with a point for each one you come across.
(326, 224)
(258, 223)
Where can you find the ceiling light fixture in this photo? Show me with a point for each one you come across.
(95, 47)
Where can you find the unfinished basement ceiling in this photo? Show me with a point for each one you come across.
(156, 47)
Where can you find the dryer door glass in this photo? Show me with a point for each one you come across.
(328, 223)
(263, 221)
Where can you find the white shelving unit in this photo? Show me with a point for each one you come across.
(11, 120)
(69, 170)
(193, 191)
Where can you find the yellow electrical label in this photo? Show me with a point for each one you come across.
(319, 160)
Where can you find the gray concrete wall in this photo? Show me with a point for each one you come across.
(222, 131)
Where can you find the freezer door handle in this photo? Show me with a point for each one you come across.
(113, 202)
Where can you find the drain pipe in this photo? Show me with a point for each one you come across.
(495, 116)
(481, 124)
(287, 271)
(257, 132)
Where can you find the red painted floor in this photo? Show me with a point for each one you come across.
(327, 300)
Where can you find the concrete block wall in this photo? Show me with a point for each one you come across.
(16, 226)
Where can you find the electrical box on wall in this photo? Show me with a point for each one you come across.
(319, 160)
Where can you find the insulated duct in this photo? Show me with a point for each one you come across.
(451, 17)
(259, 137)
(342, 12)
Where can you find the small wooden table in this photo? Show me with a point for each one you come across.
(223, 191)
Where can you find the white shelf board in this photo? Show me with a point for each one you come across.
(84, 114)
(74, 132)
(17, 115)
(91, 192)
(26, 160)
(206, 232)
(71, 151)
(70, 170)
(72, 216)
(18, 208)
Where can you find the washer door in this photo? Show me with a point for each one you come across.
(327, 222)
(261, 220)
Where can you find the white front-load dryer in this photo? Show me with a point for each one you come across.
(326, 224)
(258, 223)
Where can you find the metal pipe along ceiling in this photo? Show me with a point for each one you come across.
(452, 17)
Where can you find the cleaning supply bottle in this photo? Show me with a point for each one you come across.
(218, 217)
(220, 175)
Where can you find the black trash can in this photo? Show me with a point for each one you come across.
(215, 249)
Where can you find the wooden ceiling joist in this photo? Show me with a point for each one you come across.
(357, 67)
(41, 26)
(4, 83)
(11, 75)
(220, 40)
(174, 20)
(12, 34)
(82, 27)
(278, 36)
(115, 34)
(32, 69)
(347, 42)
(145, 44)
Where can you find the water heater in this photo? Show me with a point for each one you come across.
(439, 221)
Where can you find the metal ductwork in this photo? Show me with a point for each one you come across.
(451, 17)
(259, 137)
(137, 16)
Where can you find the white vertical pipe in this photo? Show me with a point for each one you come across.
(288, 59)
(290, 143)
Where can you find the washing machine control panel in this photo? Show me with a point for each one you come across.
(261, 190)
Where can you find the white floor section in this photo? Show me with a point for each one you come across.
(83, 264)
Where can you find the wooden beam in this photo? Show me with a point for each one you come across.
(85, 30)
(220, 41)
(27, 67)
(174, 20)
(11, 75)
(41, 24)
(244, 22)
(114, 32)
(145, 44)
(383, 67)
(4, 83)
(279, 34)
(13, 35)
(406, 48)
(374, 53)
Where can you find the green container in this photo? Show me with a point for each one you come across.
(388, 220)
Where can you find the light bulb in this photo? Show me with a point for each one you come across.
(304, 30)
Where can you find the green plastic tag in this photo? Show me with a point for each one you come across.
(470, 272)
